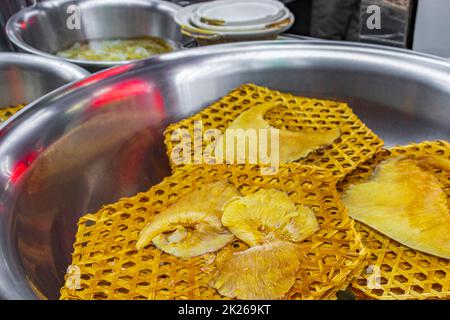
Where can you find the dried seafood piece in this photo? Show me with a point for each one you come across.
(405, 203)
(268, 215)
(293, 145)
(265, 271)
(191, 226)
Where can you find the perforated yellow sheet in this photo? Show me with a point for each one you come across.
(107, 265)
(401, 272)
(5, 113)
(356, 144)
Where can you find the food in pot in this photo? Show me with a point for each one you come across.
(264, 271)
(406, 202)
(268, 215)
(116, 50)
(293, 145)
(191, 226)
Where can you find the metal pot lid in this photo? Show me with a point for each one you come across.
(239, 13)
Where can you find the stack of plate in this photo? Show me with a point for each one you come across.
(234, 20)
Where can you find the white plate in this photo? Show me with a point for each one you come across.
(195, 32)
(183, 16)
(183, 19)
(239, 12)
(285, 14)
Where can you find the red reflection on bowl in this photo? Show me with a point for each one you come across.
(102, 75)
(121, 91)
(158, 102)
(21, 166)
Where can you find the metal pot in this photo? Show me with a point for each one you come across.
(25, 77)
(51, 25)
(100, 139)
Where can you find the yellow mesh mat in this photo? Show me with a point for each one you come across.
(356, 144)
(109, 267)
(5, 113)
(403, 273)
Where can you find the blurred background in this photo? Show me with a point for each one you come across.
(407, 24)
(404, 23)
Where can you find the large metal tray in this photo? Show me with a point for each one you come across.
(90, 143)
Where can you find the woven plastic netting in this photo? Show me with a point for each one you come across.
(356, 144)
(108, 266)
(6, 113)
(398, 272)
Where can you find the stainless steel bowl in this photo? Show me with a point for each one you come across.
(25, 77)
(101, 139)
(43, 30)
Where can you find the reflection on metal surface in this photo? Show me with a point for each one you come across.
(89, 157)
(120, 92)
(394, 18)
(102, 75)
(22, 165)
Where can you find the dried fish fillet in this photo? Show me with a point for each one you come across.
(191, 226)
(210, 197)
(432, 162)
(293, 145)
(268, 215)
(262, 272)
(406, 203)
